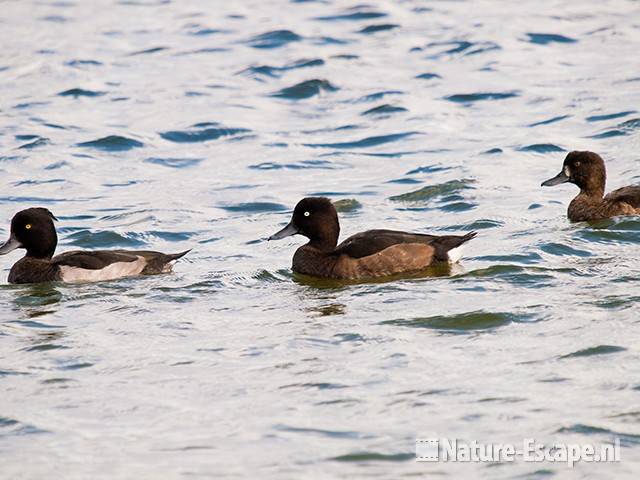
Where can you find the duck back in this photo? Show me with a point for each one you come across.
(377, 253)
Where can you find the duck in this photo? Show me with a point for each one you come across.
(587, 171)
(369, 254)
(33, 230)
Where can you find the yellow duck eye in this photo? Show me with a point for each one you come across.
(28, 226)
(306, 214)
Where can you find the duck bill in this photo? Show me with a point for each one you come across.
(557, 180)
(287, 231)
(10, 245)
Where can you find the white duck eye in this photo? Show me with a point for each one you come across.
(306, 214)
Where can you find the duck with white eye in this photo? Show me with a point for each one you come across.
(370, 254)
(33, 230)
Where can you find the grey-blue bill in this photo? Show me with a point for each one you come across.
(287, 231)
(10, 245)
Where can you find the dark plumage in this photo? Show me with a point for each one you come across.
(33, 230)
(587, 171)
(370, 254)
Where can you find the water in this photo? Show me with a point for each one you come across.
(175, 125)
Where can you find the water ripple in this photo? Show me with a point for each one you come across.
(373, 97)
(430, 192)
(112, 143)
(36, 142)
(200, 31)
(352, 16)
(369, 29)
(598, 350)
(320, 432)
(514, 274)
(385, 109)
(80, 92)
(607, 236)
(303, 165)
(626, 439)
(201, 132)
(174, 162)
(547, 38)
(458, 323)
(270, 71)
(550, 120)
(306, 89)
(81, 63)
(367, 456)
(463, 47)
(428, 76)
(542, 148)
(9, 426)
(560, 249)
(347, 205)
(148, 51)
(274, 39)
(480, 96)
(609, 116)
(254, 207)
(102, 239)
(365, 142)
(622, 129)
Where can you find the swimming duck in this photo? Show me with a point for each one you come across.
(33, 230)
(374, 253)
(587, 171)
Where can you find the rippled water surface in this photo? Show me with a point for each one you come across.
(200, 124)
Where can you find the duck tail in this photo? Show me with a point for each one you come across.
(175, 256)
(466, 237)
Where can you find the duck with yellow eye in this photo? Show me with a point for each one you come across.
(33, 230)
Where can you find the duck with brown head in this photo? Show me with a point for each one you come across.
(370, 254)
(33, 230)
(587, 171)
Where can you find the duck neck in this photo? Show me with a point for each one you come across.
(325, 237)
(40, 255)
(324, 244)
(44, 252)
(592, 193)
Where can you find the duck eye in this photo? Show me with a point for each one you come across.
(28, 226)
(577, 164)
(306, 214)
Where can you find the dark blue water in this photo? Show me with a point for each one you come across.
(175, 125)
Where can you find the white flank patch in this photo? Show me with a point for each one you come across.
(110, 272)
(455, 254)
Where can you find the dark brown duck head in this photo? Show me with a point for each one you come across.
(584, 169)
(315, 218)
(33, 230)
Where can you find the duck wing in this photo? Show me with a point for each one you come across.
(97, 265)
(630, 195)
(374, 241)
(94, 259)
